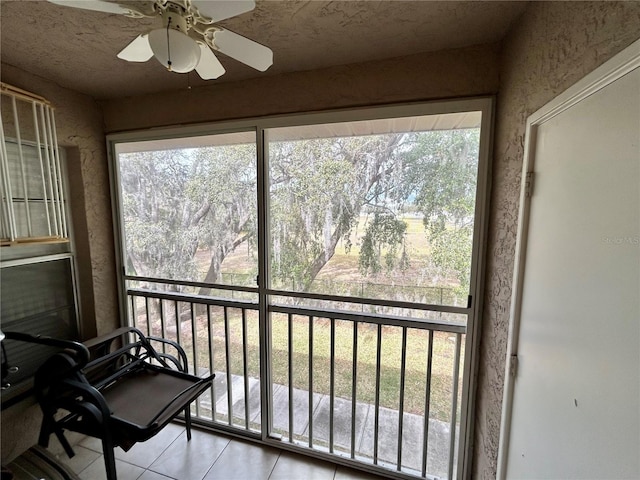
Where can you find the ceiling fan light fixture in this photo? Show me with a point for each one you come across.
(188, 38)
(175, 50)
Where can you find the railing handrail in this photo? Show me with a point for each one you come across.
(315, 296)
(189, 283)
(372, 301)
(373, 318)
(192, 298)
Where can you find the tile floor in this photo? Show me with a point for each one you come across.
(208, 456)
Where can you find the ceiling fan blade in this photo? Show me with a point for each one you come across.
(95, 5)
(218, 10)
(137, 51)
(209, 67)
(244, 50)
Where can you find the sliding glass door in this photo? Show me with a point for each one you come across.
(325, 267)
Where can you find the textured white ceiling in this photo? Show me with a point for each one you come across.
(77, 48)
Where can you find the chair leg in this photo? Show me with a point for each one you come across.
(109, 459)
(187, 421)
(63, 441)
(45, 430)
(50, 426)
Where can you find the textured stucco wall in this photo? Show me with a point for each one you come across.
(453, 73)
(80, 128)
(554, 45)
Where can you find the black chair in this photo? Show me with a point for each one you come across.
(116, 387)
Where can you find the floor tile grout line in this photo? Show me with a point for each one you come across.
(217, 458)
(165, 449)
(275, 463)
(101, 458)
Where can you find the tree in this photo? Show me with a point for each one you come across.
(180, 201)
(155, 212)
(319, 187)
(449, 161)
(224, 182)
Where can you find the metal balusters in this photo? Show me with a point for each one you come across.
(245, 364)
(176, 308)
(227, 351)
(194, 343)
(194, 336)
(290, 372)
(454, 405)
(354, 395)
(310, 381)
(134, 316)
(146, 308)
(163, 327)
(427, 405)
(403, 366)
(211, 365)
(332, 381)
(376, 422)
(365, 345)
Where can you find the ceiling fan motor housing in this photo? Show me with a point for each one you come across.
(174, 17)
(171, 45)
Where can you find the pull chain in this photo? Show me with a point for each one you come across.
(168, 46)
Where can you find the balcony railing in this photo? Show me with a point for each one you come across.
(370, 388)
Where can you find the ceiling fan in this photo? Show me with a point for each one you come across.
(188, 36)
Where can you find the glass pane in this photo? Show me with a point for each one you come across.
(189, 208)
(379, 209)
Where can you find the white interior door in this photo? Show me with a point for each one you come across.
(575, 409)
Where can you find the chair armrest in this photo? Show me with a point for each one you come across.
(100, 347)
(81, 351)
(109, 337)
(182, 364)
